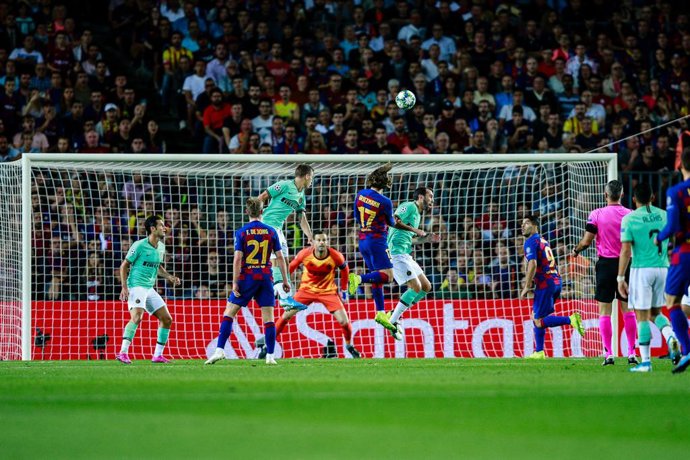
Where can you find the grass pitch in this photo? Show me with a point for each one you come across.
(364, 409)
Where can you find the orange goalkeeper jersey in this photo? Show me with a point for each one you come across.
(318, 276)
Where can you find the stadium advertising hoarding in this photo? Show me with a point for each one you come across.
(435, 329)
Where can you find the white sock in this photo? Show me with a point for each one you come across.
(269, 356)
(667, 332)
(124, 349)
(645, 353)
(159, 350)
(399, 310)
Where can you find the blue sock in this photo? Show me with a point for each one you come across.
(270, 334)
(554, 321)
(377, 294)
(225, 331)
(539, 334)
(680, 327)
(374, 277)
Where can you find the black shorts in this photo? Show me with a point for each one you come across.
(606, 272)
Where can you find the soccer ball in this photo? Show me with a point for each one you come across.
(405, 99)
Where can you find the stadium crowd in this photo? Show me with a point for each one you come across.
(320, 76)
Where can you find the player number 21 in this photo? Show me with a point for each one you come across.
(367, 216)
(255, 248)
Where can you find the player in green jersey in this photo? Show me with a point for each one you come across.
(405, 269)
(647, 273)
(286, 197)
(138, 274)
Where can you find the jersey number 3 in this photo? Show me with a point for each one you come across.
(255, 248)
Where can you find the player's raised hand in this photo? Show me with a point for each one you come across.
(124, 294)
(175, 280)
(286, 286)
(524, 292)
(236, 289)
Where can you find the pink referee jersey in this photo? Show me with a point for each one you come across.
(607, 226)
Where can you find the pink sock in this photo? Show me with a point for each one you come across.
(630, 324)
(606, 333)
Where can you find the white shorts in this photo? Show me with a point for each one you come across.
(147, 298)
(283, 244)
(405, 268)
(647, 288)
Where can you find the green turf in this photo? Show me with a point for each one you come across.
(366, 409)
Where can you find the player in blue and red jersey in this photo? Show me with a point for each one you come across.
(541, 268)
(252, 278)
(374, 214)
(678, 277)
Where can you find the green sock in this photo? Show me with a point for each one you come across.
(408, 297)
(163, 335)
(420, 295)
(130, 331)
(661, 321)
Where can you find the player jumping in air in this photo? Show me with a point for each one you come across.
(678, 279)
(374, 214)
(252, 278)
(138, 274)
(541, 268)
(405, 269)
(318, 285)
(647, 275)
(286, 197)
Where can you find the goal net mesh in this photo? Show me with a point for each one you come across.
(87, 214)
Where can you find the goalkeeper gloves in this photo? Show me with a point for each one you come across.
(344, 296)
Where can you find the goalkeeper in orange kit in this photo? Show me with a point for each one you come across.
(318, 285)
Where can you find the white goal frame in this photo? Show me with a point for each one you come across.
(28, 161)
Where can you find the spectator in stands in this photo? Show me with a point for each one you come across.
(39, 142)
(92, 143)
(7, 152)
(214, 116)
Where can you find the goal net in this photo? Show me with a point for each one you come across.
(88, 210)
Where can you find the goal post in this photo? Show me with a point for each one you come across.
(79, 213)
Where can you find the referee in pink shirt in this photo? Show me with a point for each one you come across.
(604, 224)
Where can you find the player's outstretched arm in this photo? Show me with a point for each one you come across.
(124, 273)
(529, 277)
(282, 266)
(236, 270)
(263, 196)
(399, 224)
(168, 277)
(297, 261)
(585, 242)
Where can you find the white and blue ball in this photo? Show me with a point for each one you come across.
(405, 99)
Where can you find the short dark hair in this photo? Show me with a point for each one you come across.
(151, 221)
(420, 191)
(643, 193)
(319, 232)
(614, 189)
(303, 169)
(254, 207)
(534, 219)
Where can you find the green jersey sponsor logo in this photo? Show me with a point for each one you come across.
(145, 260)
(400, 241)
(285, 199)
